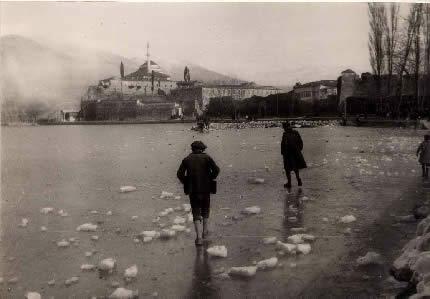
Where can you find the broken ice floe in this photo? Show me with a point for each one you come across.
(88, 267)
(72, 280)
(286, 247)
(109, 213)
(125, 189)
(347, 219)
(267, 263)
(87, 227)
(121, 293)
(108, 265)
(51, 282)
(243, 271)
(252, 210)
(179, 220)
(134, 217)
(47, 210)
(304, 248)
(217, 251)
(130, 273)
(150, 234)
(369, 259)
(63, 243)
(24, 222)
(270, 240)
(178, 227)
(300, 238)
(166, 195)
(43, 228)
(186, 207)
(62, 213)
(166, 212)
(33, 295)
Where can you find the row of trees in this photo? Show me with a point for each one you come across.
(399, 47)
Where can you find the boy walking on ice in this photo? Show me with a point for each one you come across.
(197, 172)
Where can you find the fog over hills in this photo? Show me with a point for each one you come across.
(59, 76)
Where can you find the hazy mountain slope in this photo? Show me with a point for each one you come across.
(32, 71)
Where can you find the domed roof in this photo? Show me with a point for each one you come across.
(142, 72)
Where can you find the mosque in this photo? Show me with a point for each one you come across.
(143, 94)
(149, 93)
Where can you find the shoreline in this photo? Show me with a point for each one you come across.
(370, 122)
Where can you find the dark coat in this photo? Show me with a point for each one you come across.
(197, 170)
(291, 150)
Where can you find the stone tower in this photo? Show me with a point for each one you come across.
(348, 78)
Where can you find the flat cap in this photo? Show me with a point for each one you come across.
(198, 145)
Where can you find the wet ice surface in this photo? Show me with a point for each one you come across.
(77, 172)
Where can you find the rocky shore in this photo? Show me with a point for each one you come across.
(413, 264)
(273, 124)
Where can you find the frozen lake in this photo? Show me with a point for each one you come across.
(366, 172)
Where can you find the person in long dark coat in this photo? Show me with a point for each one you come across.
(291, 150)
(196, 172)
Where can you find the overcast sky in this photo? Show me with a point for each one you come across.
(275, 43)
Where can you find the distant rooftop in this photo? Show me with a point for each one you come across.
(330, 83)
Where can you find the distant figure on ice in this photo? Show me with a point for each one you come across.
(198, 172)
(291, 150)
(423, 152)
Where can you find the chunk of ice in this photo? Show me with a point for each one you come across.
(267, 264)
(87, 227)
(62, 213)
(286, 247)
(186, 207)
(217, 251)
(178, 227)
(147, 239)
(88, 267)
(47, 210)
(72, 280)
(347, 219)
(130, 273)
(150, 233)
(370, 258)
(166, 195)
(134, 217)
(108, 265)
(304, 248)
(300, 238)
(109, 213)
(243, 271)
(125, 189)
(63, 244)
(33, 295)
(179, 220)
(252, 210)
(121, 293)
(24, 222)
(270, 240)
(43, 228)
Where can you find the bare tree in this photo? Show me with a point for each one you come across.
(426, 33)
(378, 24)
(412, 23)
(391, 42)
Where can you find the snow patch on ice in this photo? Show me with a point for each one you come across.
(217, 251)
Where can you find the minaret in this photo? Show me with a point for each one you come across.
(148, 61)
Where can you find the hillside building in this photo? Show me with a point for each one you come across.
(315, 91)
(198, 95)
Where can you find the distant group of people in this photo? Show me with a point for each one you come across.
(423, 152)
(198, 172)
